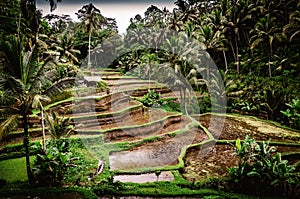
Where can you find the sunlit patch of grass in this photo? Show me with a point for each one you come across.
(14, 170)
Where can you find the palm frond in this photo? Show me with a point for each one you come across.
(38, 99)
(51, 74)
(58, 126)
(7, 125)
(39, 77)
(60, 85)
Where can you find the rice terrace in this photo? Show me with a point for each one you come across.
(195, 99)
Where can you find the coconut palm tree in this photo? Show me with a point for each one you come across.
(292, 29)
(21, 83)
(64, 45)
(265, 32)
(91, 19)
(21, 78)
(213, 39)
(37, 104)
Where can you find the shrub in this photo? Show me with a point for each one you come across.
(205, 104)
(58, 127)
(171, 105)
(293, 113)
(260, 170)
(51, 166)
(65, 94)
(151, 99)
(102, 86)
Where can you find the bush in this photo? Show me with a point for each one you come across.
(205, 105)
(65, 94)
(52, 165)
(102, 86)
(171, 105)
(260, 170)
(293, 113)
(151, 99)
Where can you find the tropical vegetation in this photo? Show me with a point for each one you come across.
(223, 56)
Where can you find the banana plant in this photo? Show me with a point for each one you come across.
(293, 113)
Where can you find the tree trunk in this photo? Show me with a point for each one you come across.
(269, 65)
(26, 146)
(225, 61)
(43, 130)
(89, 53)
(237, 57)
(233, 51)
(149, 77)
(270, 57)
(184, 101)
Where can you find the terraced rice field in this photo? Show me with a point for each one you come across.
(195, 145)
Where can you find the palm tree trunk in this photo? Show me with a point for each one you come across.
(149, 78)
(185, 101)
(270, 57)
(26, 146)
(225, 61)
(237, 56)
(269, 65)
(89, 53)
(233, 51)
(43, 130)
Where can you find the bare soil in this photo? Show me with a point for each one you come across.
(212, 160)
(138, 134)
(237, 127)
(115, 107)
(207, 161)
(148, 116)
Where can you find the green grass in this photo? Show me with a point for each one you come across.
(14, 170)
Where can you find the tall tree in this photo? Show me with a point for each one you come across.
(91, 19)
(21, 78)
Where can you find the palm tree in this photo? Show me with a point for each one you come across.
(21, 78)
(182, 55)
(21, 83)
(64, 44)
(264, 33)
(37, 104)
(292, 29)
(91, 19)
(237, 17)
(213, 39)
(58, 127)
(149, 58)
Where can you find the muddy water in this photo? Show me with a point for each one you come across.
(148, 177)
(154, 154)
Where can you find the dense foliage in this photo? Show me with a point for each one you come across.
(51, 166)
(240, 52)
(261, 170)
(253, 42)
